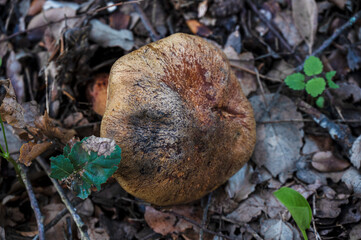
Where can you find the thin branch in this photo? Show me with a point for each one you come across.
(57, 218)
(148, 26)
(254, 73)
(272, 28)
(338, 132)
(33, 201)
(79, 223)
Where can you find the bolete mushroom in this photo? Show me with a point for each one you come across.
(181, 119)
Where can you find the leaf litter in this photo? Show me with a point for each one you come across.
(63, 59)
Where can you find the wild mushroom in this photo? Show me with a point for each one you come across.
(181, 119)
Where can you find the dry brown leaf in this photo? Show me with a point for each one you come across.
(50, 129)
(29, 151)
(165, 223)
(327, 162)
(198, 28)
(305, 18)
(11, 111)
(98, 93)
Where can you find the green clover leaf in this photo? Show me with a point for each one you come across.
(315, 86)
(329, 76)
(296, 81)
(313, 66)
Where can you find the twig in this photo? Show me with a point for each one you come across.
(56, 219)
(79, 223)
(148, 26)
(308, 120)
(205, 213)
(33, 201)
(254, 73)
(272, 28)
(69, 231)
(338, 132)
(335, 34)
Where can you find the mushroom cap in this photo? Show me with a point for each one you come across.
(181, 119)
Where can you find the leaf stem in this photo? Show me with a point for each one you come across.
(6, 142)
(304, 234)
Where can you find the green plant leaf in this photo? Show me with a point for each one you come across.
(315, 86)
(329, 76)
(320, 102)
(1, 62)
(313, 66)
(297, 205)
(88, 163)
(295, 81)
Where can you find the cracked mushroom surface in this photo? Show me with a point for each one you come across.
(181, 119)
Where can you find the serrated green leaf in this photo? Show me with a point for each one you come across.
(297, 205)
(296, 81)
(315, 86)
(88, 168)
(320, 102)
(61, 167)
(66, 150)
(329, 76)
(313, 66)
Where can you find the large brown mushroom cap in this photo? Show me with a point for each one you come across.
(181, 119)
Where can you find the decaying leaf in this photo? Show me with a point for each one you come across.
(165, 223)
(286, 25)
(50, 129)
(105, 36)
(250, 208)
(239, 186)
(11, 111)
(277, 229)
(355, 153)
(278, 144)
(305, 17)
(327, 208)
(352, 178)
(347, 91)
(327, 162)
(30, 151)
(13, 71)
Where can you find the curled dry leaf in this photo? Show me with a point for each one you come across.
(29, 151)
(286, 25)
(50, 129)
(305, 18)
(165, 223)
(327, 162)
(352, 179)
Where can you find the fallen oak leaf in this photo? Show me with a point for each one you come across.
(49, 127)
(29, 151)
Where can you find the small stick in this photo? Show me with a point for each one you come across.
(33, 201)
(335, 34)
(56, 219)
(340, 133)
(79, 223)
(153, 34)
(205, 213)
(254, 73)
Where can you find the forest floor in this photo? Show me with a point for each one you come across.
(57, 56)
